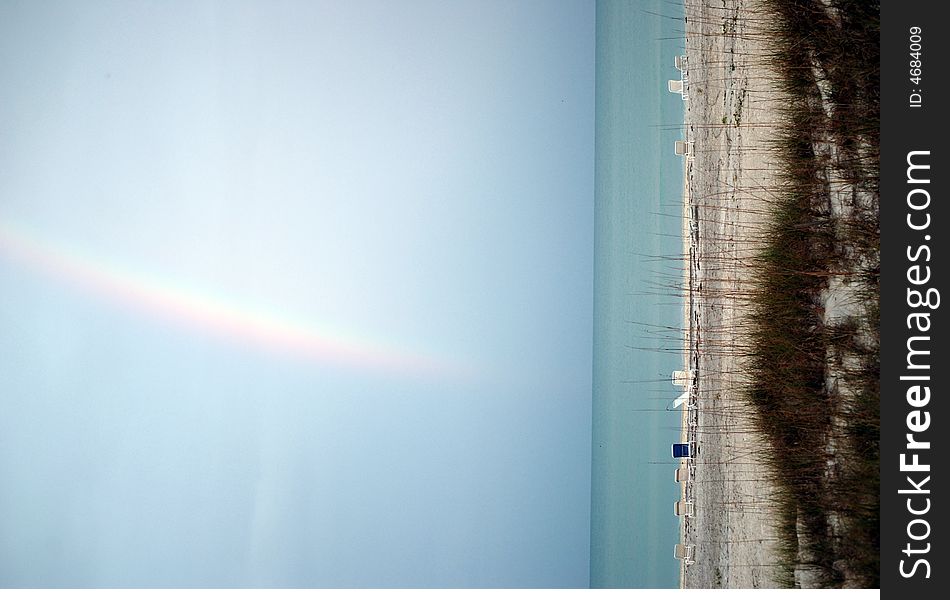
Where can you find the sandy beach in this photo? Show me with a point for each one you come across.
(729, 111)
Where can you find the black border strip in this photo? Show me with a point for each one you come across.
(913, 124)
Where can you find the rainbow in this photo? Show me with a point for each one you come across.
(253, 327)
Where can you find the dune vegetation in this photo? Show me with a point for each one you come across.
(814, 323)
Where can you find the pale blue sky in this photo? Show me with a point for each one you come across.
(296, 293)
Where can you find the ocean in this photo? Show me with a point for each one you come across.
(637, 310)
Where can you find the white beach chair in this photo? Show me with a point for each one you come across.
(683, 552)
(683, 508)
(681, 378)
(681, 148)
(675, 86)
(682, 474)
(679, 62)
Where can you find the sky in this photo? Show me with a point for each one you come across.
(296, 294)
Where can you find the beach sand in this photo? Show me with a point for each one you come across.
(729, 115)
